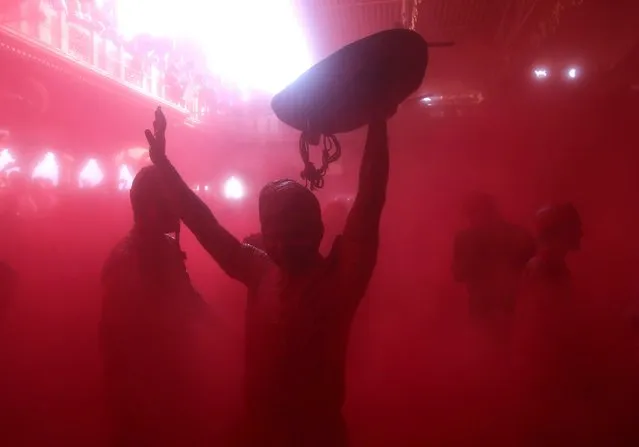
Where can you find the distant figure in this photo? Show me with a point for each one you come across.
(334, 216)
(148, 311)
(547, 288)
(489, 258)
(300, 305)
(554, 355)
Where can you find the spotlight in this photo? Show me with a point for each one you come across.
(541, 73)
(47, 169)
(572, 73)
(125, 179)
(6, 158)
(233, 188)
(91, 175)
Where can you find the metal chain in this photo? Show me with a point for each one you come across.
(549, 26)
(415, 14)
(404, 14)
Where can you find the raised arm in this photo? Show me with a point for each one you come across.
(236, 259)
(360, 240)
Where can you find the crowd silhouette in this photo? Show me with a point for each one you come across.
(306, 272)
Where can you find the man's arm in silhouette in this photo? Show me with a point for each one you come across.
(236, 259)
(360, 241)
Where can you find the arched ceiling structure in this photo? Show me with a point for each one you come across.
(492, 38)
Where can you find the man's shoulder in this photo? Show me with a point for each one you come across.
(119, 259)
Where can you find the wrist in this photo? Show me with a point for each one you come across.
(161, 161)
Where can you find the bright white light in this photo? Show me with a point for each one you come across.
(427, 100)
(541, 73)
(233, 189)
(572, 73)
(47, 169)
(91, 175)
(6, 158)
(125, 178)
(266, 52)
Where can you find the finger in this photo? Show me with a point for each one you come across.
(159, 117)
(149, 137)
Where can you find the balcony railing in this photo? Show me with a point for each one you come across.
(82, 42)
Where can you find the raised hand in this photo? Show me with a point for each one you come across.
(157, 139)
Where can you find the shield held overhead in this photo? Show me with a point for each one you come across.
(340, 93)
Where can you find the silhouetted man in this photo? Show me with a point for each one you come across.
(549, 341)
(559, 232)
(300, 305)
(489, 258)
(148, 310)
(546, 306)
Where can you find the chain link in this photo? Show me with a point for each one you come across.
(549, 26)
(414, 14)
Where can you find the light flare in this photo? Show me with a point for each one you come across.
(47, 169)
(256, 45)
(233, 188)
(91, 175)
(6, 159)
(125, 178)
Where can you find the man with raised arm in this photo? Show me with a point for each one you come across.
(300, 305)
(149, 312)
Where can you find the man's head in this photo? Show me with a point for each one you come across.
(481, 209)
(151, 210)
(291, 221)
(559, 227)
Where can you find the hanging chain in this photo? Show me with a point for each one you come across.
(549, 26)
(405, 14)
(414, 14)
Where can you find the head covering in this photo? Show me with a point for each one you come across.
(555, 219)
(285, 200)
(146, 188)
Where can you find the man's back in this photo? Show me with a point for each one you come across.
(147, 288)
(148, 312)
(297, 335)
